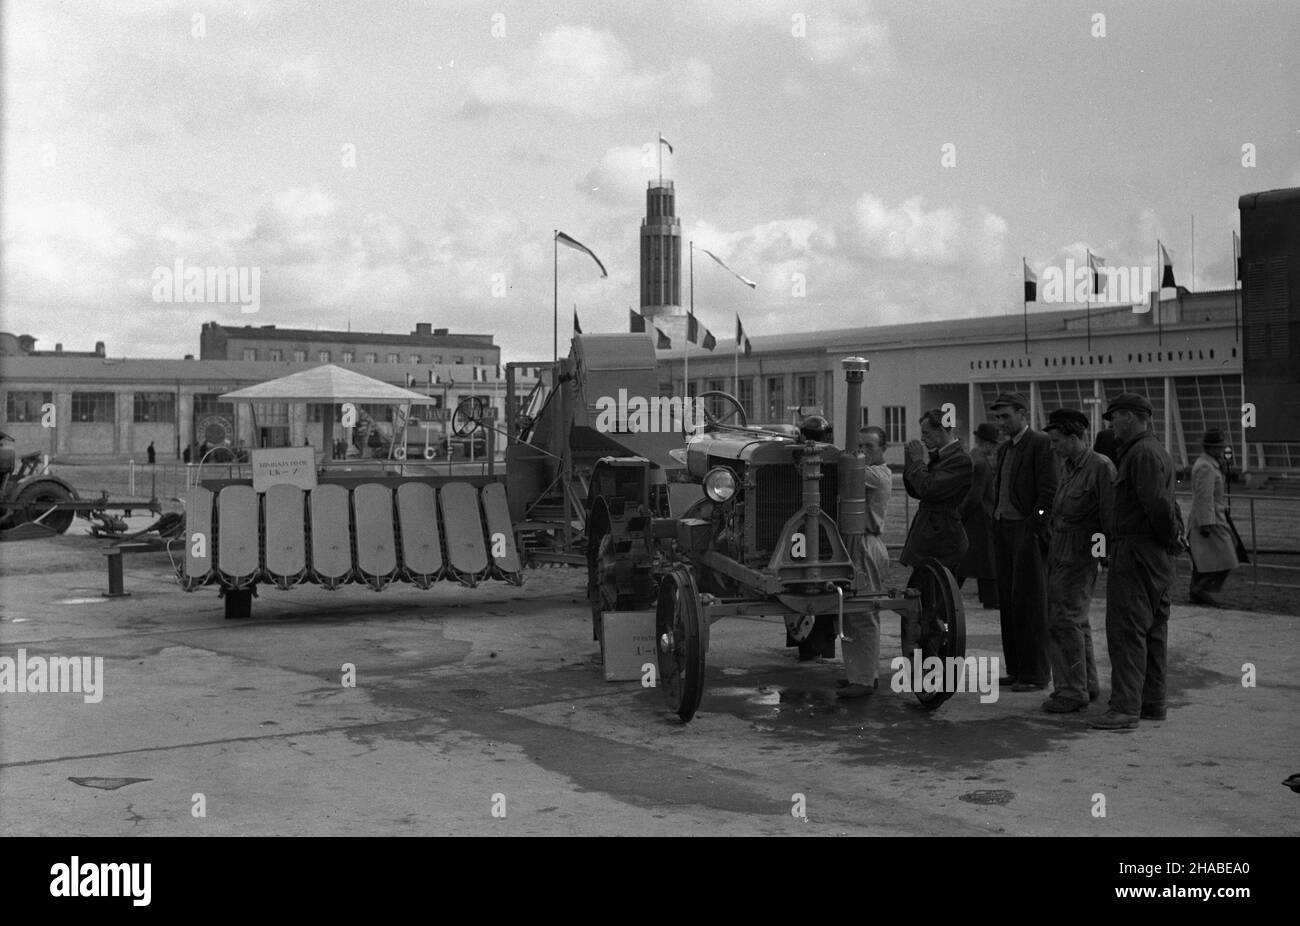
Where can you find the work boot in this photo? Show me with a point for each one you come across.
(1059, 704)
(1028, 686)
(1153, 712)
(1114, 720)
(855, 690)
(1205, 598)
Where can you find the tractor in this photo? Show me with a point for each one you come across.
(778, 532)
(29, 494)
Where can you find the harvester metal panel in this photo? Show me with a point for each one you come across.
(198, 520)
(286, 549)
(417, 513)
(237, 531)
(331, 532)
(496, 515)
(372, 506)
(463, 528)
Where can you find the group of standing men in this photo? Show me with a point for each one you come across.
(1032, 515)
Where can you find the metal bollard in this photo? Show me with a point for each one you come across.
(116, 584)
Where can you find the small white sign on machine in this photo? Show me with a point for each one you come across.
(292, 465)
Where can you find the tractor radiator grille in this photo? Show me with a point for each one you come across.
(778, 494)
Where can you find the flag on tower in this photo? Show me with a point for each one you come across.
(692, 328)
(577, 325)
(1031, 283)
(664, 141)
(579, 246)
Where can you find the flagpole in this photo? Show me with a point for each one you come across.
(660, 147)
(735, 363)
(686, 352)
(555, 293)
(1193, 280)
(1236, 287)
(1024, 298)
(1092, 284)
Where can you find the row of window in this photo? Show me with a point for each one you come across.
(1158, 356)
(350, 356)
(101, 407)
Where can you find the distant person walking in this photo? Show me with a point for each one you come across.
(977, 516)
(1143, 535)
(1212, 545)
(1024, 486)
(152, 454)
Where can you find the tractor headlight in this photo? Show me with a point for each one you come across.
(720, 484)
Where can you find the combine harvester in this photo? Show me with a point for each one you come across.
(376, 522)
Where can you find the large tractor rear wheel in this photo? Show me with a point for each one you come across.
(942, 621)
(38, 501)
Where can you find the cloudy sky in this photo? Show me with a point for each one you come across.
(384, 163)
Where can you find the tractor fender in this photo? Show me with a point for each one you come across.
(44, 480)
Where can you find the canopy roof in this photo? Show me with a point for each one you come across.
(330, 384)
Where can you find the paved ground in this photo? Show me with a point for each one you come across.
(466, 696)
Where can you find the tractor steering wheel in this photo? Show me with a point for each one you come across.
(736, 409)
(468, 416)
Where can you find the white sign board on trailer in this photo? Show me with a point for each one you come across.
(292, 465)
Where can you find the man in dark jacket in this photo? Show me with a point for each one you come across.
(976, 512)
(1144, 531)
(939, 483)
(1023, 488)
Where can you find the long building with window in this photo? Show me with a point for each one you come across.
(1186, 357)
(87, 404)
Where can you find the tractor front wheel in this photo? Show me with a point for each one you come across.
(681, 642)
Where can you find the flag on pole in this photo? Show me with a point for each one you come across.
(748, 282)
(1166, 269)
(692, 328)
(662, 342)
(1236, 253)
(664, 141)
(579, 246)
(1031, 283)
(1096, 264)
(433, 377)
(709, 341)
(577, 325)
(742, 341)
(410, 380)
(637, 322)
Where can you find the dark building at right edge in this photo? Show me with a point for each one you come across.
(1269, 271)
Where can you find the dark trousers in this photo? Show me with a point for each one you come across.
(1137, 623)
(988, 590)
(1022, 601)
(1072, 578)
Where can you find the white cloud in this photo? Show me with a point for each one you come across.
(621, 175)
(587, 72)
(910, 232)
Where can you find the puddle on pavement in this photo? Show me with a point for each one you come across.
(775, 700)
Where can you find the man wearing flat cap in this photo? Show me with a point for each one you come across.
(1209, 535)
(1081, 511)
(1023, 489)
(1143, 535)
